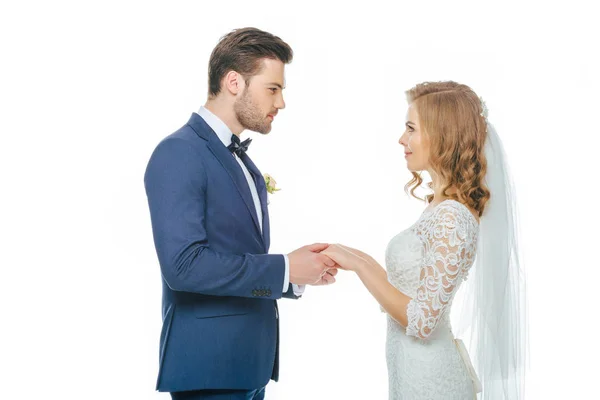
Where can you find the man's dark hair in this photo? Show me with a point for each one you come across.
(242, 51)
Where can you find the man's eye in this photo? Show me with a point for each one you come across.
(273, 90)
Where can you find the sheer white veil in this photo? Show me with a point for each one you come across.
(493, 317)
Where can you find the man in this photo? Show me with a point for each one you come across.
(208, 205)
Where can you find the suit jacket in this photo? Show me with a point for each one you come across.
(220, 319)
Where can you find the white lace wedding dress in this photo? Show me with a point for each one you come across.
(428, 262)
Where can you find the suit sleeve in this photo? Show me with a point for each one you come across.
(175, 183)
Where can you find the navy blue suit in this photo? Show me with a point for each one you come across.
(220, 319)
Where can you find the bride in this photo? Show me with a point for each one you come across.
(469, 217)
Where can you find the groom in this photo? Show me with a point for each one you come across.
(208, 205)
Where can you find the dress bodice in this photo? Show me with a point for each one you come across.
(429, 260)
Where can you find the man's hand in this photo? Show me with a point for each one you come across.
(328, 277)
(308, 267)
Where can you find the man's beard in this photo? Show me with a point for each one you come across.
(249, 114)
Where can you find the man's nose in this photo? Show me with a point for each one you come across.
(280, 103)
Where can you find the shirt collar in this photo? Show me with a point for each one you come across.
(220, 128)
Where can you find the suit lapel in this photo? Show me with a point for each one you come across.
(261, 188)
(228, 161)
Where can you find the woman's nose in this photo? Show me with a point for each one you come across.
(402, 141)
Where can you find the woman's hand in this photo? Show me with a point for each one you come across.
(347, 258)
(361, 254)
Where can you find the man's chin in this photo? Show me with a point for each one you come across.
(259, 129)
(264, 130)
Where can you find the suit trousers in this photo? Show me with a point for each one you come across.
(220, 394)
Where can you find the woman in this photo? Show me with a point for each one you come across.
(469, 216)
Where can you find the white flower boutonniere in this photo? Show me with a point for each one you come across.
(270, 183)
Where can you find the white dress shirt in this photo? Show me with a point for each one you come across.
(224, 134)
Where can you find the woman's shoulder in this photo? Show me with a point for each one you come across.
(451, 209)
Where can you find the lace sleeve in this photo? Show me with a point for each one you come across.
(449, 253)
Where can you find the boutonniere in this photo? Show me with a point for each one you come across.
(270, 183)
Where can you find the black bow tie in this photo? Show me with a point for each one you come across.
(237, 147)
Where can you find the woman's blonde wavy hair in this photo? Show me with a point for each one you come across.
(451, 118)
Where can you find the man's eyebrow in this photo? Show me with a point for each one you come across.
(276, 84)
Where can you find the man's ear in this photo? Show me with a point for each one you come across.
(234, 82)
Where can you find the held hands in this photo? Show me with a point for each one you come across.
(309, 266)
(318, 263)
(348, 258)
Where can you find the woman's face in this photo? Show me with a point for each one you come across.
(416, 145)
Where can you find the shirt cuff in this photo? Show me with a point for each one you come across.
(286, 277)
(298, 289)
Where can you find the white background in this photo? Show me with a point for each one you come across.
(88, 89)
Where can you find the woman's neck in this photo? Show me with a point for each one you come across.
(438, 189)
